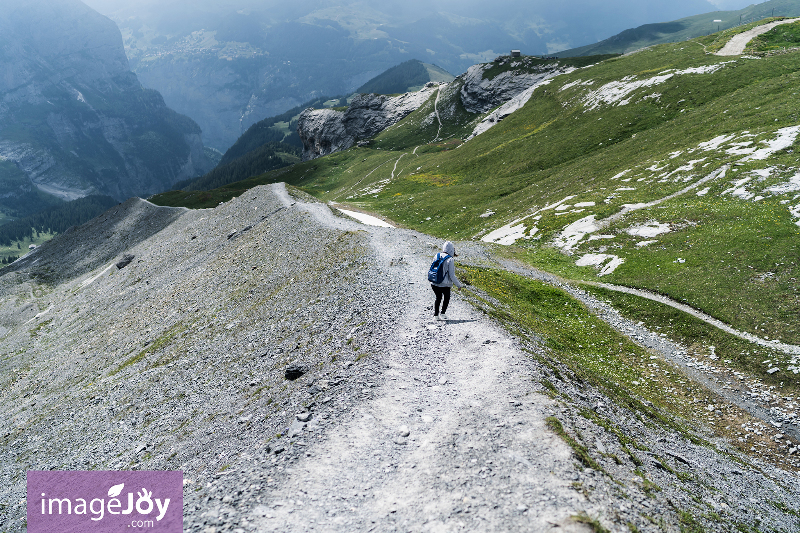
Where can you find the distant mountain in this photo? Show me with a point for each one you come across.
(230, 64)
(74, 120)
(274, 143)
(686, 28)
(269, 144)
(410, 75)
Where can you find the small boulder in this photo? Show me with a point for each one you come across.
(293, 372)
(125, 261)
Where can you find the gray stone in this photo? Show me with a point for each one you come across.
(324, 131)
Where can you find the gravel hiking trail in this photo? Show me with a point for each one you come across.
(738, 43)
(450, 433)
(451, 439)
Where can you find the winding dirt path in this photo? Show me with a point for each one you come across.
(739, 42)
(452, 426)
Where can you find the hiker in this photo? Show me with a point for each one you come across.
(442, 276)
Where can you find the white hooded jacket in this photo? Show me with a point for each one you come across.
(450, 278)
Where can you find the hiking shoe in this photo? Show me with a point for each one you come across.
(436, 317)
(443, 317)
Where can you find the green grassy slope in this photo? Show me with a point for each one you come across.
(686, 28)
(627, 132)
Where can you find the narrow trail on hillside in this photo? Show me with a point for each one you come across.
(453, 426)
(436, 110)
(353, 186)
(395, 164)
(790, 349)
(739, 42)
(721, 381)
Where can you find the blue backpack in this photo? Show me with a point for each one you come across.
(437, 272)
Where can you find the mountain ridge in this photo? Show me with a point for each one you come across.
(79, 122)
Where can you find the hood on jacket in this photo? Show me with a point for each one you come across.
(449, 248)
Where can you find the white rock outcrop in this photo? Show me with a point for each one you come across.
(324, 131)
(480, 93)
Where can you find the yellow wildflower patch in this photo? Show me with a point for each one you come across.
(438, 180)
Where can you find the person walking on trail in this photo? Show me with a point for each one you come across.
(442, 276)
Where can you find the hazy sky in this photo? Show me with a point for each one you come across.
(459, 6)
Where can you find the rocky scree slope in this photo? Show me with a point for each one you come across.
(178, 359)
(73, 119)
(174, 355)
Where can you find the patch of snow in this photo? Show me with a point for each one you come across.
(366, 219)
(597, 260)
(795, 212)
(513, 231)
(650, 229)
(790, 186)
(673, 155)
(626, 189)
(575, 232)
(508, 234)
(742, 148)
(618, 92)
(716, 142)
(688, 167)
(621, 174)
(569, 85)
(599, 237)
(785, 139)
(640, 244)
(764, 172)
(585, 204)
(487, 214)
(703, 192)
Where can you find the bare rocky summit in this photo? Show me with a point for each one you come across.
(482, 88)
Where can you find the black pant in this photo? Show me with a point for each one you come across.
(441, 291)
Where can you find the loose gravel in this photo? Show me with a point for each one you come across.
(396, 422)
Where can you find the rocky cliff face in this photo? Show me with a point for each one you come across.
(324, 131)
(489, 85)
(482, 88)
(73, 119)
